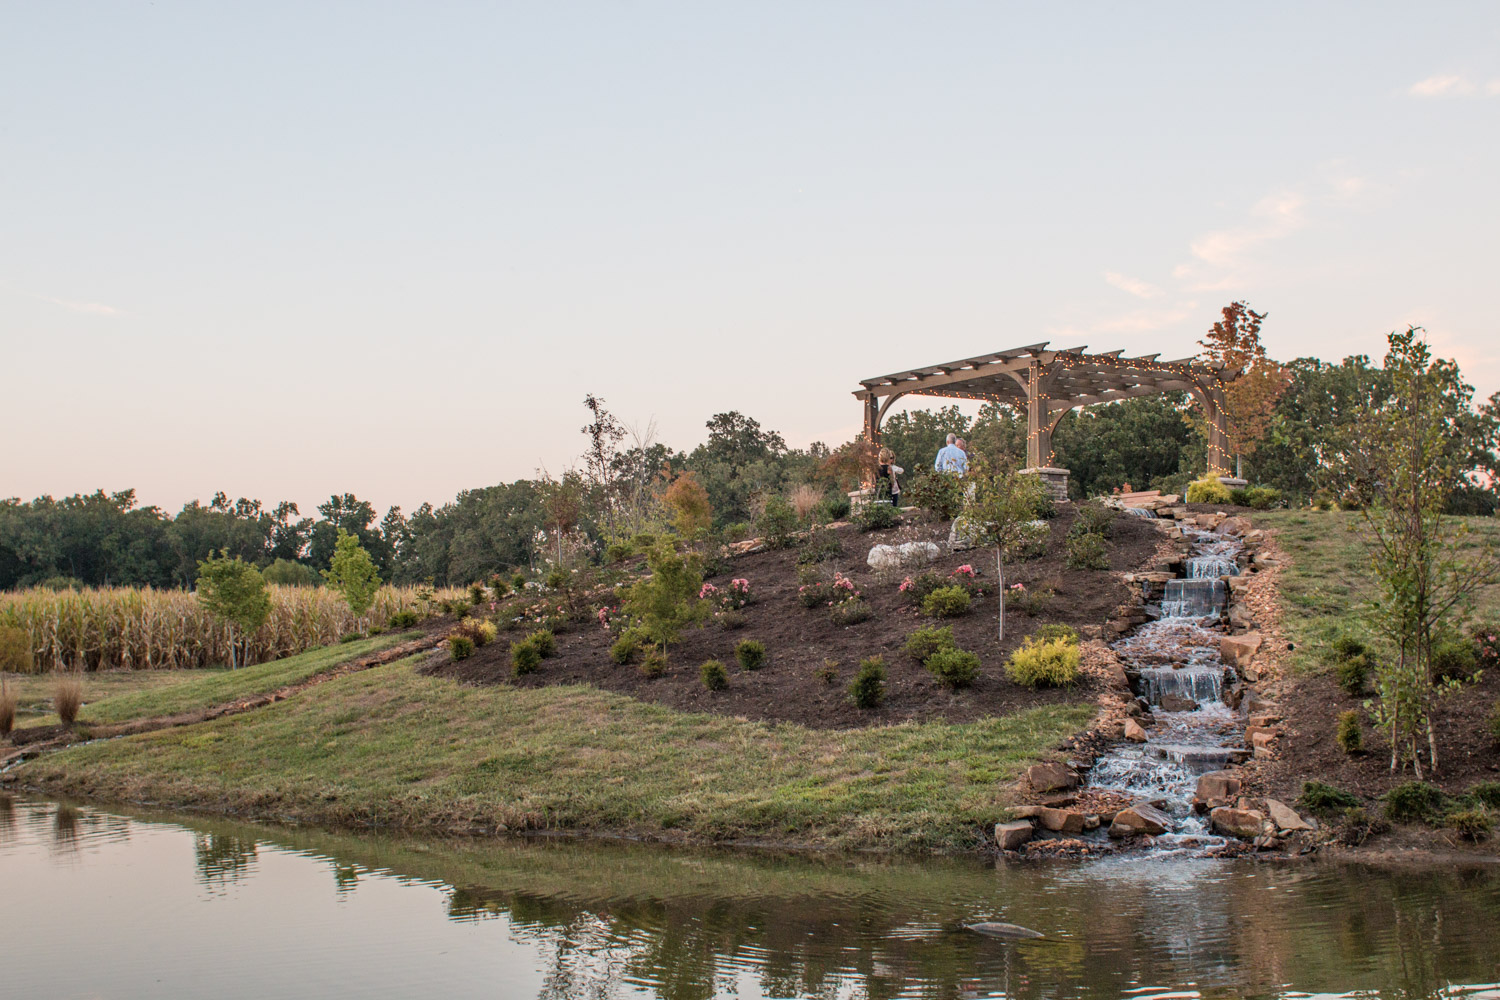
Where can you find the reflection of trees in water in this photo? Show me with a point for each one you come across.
(7, 817)
(65, 829)
(222, 858)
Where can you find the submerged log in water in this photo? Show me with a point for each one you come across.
(1013, 932)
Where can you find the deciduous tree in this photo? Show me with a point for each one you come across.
(233, 591)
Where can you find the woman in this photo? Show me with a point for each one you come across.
(885, 477)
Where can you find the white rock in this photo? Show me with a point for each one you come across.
(898, 556)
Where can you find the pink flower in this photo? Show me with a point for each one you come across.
(964, 570)
(906, 585)
(708, 590)
(1017, 586)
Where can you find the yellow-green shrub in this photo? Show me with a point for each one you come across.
(1050, 663)
(1208, 490)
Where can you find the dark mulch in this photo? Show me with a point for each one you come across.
(798, 640)
(1467, 753)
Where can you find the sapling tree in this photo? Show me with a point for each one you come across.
(998, 511)
(666, 600)
(1426, 567)
(353, 574)
(234, 592)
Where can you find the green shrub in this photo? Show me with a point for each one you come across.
(375, 630)
(833, 507)
(1087, 552)
(1262, 497)
(544, 641)
(1051, 663)
(1487, 794)
(525, 658)
(618, 552)
(1350, 737)
(868, 689)
(500, 587)
(1471, 824)
(477, 593)
(849, 613)
(956, 668)
(1494, 721)
(1326, 799)
(287, 573)
(557, 579)
(714, 676)
(350, 637)
(643, 542)
(460, 647)
(1358, 826)
(828, 673)
(1322, 500)
(1412, 801)
(750, 654)
(1454, 658)
(654, 663)
(1352, 661)
(777, 522)
(876, 516)
(1032, 600)
(1056, 630)
(940, 493)
(624, 649)
(404, 619)
(1240, 496)
(15, 650)
(947, 602)
(927, 640)
(1208, 490)
(1043, 507)
(518, 581)
(731, 620)
(822, 545)
(916, 588)
(1093, 518)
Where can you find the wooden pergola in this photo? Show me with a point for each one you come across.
(1048, 383)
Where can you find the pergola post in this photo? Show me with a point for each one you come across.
(1218, 436)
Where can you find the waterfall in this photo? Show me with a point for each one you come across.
(1211, 567)
(1200, 683)
(1193, 598)
(1140, 511)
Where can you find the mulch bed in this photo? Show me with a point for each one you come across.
(798, 640)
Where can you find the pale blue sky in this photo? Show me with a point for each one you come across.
(285, 250)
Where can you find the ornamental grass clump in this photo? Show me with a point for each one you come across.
(7, 708)
(947, 602)
(67, 698)
(956, 668)
(713, 675)
(1049, 663)
(848, 613)
(868, 689)
(750, 654)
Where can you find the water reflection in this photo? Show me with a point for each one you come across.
(563, 920)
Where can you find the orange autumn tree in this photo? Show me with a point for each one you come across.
(1249, 400)
(692, 515)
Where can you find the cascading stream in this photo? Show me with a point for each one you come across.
(1182, 678)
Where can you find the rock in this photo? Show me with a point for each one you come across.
(1263, 738)
(1012, 835)
(1265, 719)
(1050, 776)
(1178, 703)
(1135, 732)
(1238, 649)
(1139, 819)
(1027, 812)
(1011, 931)
(1234, 526)
(1061, 820)
(1218, 785)
(1285, 817)
(899, 556)
(1091, 822)
(1242, 823)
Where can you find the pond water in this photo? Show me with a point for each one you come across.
(110, 903)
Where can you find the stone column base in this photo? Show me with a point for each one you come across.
(1056, 481)
(1233, 483)
(858, 498)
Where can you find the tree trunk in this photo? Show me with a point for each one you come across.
(1000, 577)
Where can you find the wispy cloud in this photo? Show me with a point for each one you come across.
(1222, 255)
(1135, 286)
(1451, 85)
(92, 308)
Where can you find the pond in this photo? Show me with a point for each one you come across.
(116, 903)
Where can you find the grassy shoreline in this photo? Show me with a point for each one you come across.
(389, 747)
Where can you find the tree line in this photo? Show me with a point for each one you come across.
(1298, 427)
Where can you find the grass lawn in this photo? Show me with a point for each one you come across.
(1329, 576)
(388, 746)
(117, 696)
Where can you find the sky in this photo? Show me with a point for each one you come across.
(286, 250)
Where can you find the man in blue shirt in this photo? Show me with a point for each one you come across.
(951, 458)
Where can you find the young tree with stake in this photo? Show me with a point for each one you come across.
(998, 511)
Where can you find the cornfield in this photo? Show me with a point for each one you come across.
(144, 629)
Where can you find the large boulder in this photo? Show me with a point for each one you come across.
(1178, 703)
(1012, 835)
(1237, 650)
(1234, 526)
(902, 556)
(1243, 823)
(1050, 776)
(1140, 819)
(1135, 732)
(1285, 817)
(1218, 785)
